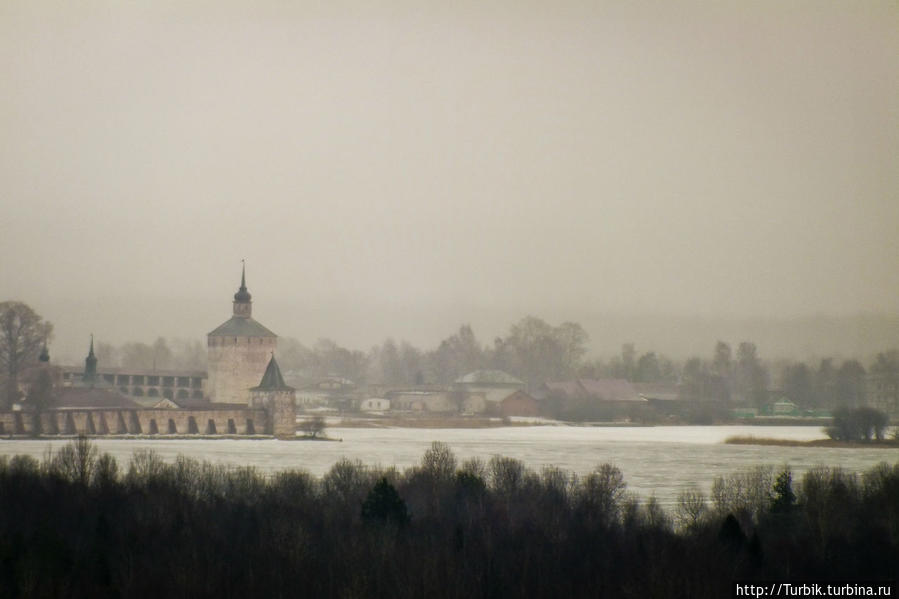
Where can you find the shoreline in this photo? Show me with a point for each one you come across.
(417, 422)
(831, 443)
(167, 438)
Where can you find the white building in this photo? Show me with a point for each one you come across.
(375, 404)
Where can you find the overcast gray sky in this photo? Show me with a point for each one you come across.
(401, 168)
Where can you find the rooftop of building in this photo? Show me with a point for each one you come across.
(241, 324)
(604, 389)
(92, 397)
(272, 379)
(489, 377)
(241, 327)
(136, 371)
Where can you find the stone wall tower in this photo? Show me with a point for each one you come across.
(238, 351)
(278, 400)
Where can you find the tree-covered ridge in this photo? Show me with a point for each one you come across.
(78, 525)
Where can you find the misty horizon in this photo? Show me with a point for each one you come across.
(663, 175)
(675, 336)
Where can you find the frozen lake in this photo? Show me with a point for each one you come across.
(661, 460)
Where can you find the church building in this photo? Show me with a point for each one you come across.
(238, 352)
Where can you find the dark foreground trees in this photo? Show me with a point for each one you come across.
(79, 525)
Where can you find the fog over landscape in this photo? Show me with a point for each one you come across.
(392, 298)
(666, 175)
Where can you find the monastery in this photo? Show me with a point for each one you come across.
(243, 393)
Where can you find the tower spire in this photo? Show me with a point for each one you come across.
(243, 299)
(90, 364)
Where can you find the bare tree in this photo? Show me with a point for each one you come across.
(690, 509)
(314, 426)
(40, 397)
(22, 332)
(77, 460)
(439, 461)
(751, 376)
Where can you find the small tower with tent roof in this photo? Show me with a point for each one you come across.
(277, 399)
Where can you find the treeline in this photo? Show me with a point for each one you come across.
(532, 350)
(76, 525)
(536, 351)
(859, 424)
(746, 378)
(162, 354)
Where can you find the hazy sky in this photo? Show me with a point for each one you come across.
(401, 168)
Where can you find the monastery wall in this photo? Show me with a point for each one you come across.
(98, 421)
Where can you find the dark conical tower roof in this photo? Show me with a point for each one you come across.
(272, 379)
(242, 294)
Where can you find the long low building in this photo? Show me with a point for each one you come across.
(145, 383)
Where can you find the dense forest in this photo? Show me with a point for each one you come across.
(77, 525)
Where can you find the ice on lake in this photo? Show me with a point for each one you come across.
(660, 460)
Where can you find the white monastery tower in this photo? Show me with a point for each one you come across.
(239, 351)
